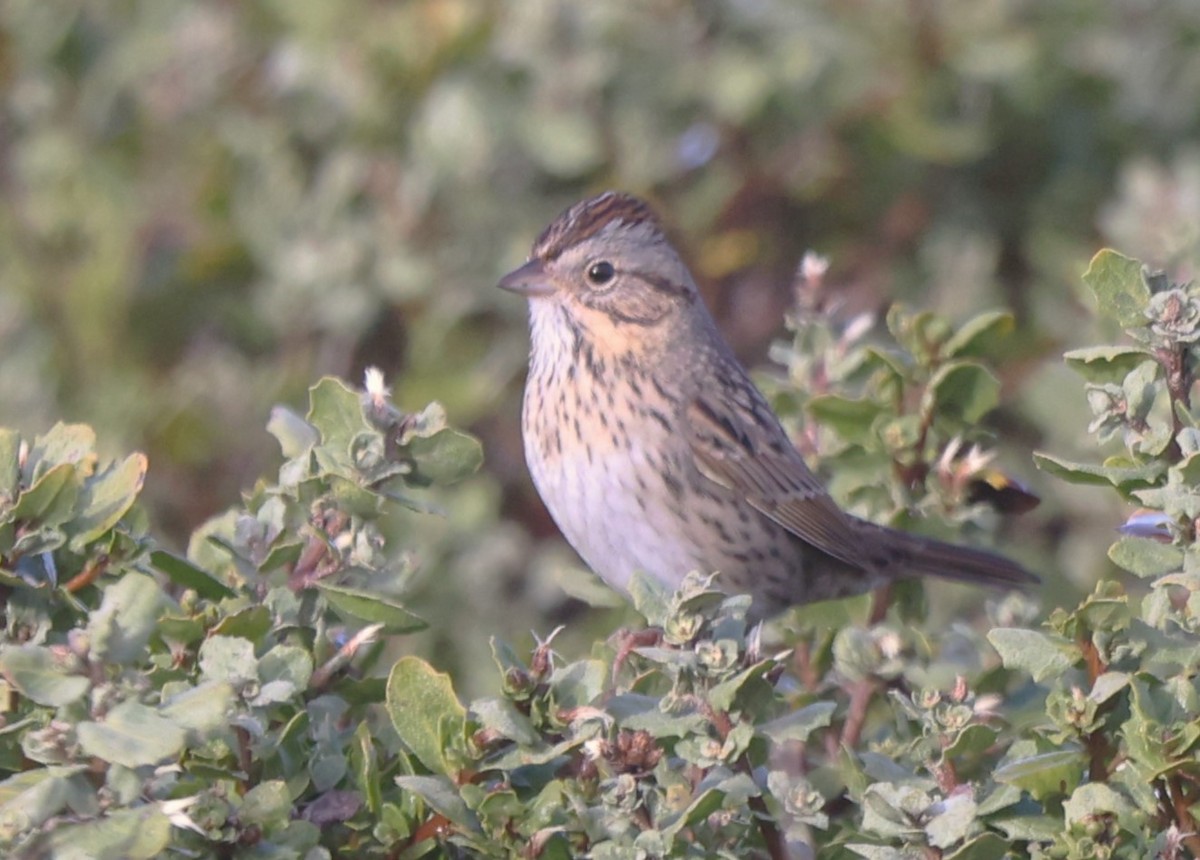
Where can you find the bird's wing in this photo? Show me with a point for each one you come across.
(742, 447)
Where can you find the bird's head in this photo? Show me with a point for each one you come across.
(605, 268)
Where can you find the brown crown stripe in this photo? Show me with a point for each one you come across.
(589, 217)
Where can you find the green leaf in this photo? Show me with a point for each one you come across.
(228, 658)
(850, 418)
(973, 740)
(29, 798)
(1029, 828)
(51, 499)
(502, 717)
(705, 804)
(954, 822)
(1108, 685)
(63, 444)
(10, 466)
(202, 709)
(187, 575)
(891, 810)
(1040, 654)
(357, 604)
(979, 335)
(36, 673)
(268, 804)
(128, 614)
(282, 553)
(1119, 287)
(335, 410)
(355, 499)
(445, 457)
(1044, 774)
(644, 713)
(962, 391)
(420, 701)
(442, 797)
(579, 683)
(799, 724)
(740, 689)
(1102, 364)
(141, 833)
(1149, 408)
(1092, 800)
(252, 623)
(105, 498)
(283, 672)
(986, 846)
(364, 764)
(649, 598)
(1122, 477)
(900, 434)
(132, 735)
(917, 331)
(1145, 557)
(295, 435)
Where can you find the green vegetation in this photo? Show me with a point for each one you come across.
(207, 206)
(232, 703)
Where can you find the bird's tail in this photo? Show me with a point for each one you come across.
(913, 555)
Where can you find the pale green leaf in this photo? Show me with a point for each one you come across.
(1040, 654)
(979, 334)
(1044, 774)
(335, 410)
(1119, 287)
(961, 390)
(202, 709)
(228, 658)
(126, 618)
(357, 604)
(797, 725)
(38, 674)
(105, 498)
(141, 833)
(187, 575)
(1101, 364)
(1123, 477)
(50, 501)
(133, 735)
(442, 797)
(267, 804)
(295, 435)
(419, 702)
(1145, 557)
(71, 444)
(445, 457)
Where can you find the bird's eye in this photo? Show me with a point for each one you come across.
(600, 273)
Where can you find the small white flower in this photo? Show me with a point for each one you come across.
(813, 267)
(175, 812)
(376, 389)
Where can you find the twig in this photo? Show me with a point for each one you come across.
(856, 713)
(90, 573)
(344, 655)
(802, 660)
(1180, 806)
(772, 838)
(1099, 747)
(881, 601)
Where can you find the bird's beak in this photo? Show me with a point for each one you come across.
(529, 280)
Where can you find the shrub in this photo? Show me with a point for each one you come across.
(233, 702)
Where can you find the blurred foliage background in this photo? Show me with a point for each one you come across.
(207, 205)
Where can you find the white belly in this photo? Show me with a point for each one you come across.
(596, 507)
